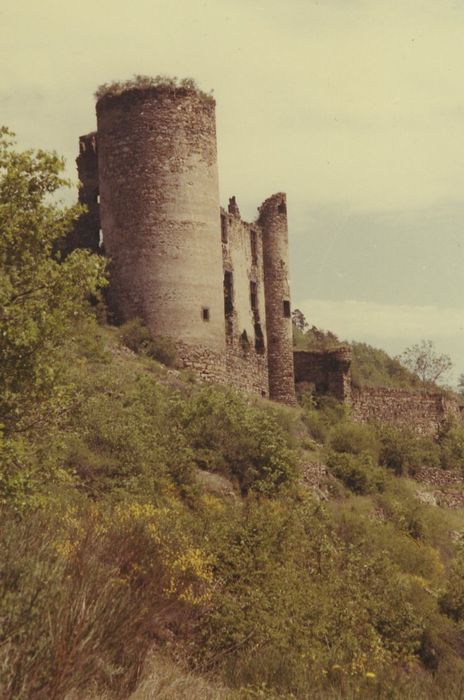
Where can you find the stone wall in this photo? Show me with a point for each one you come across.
(324, 371)
(244, 302)
(210, 366)
(247, 370)
(444, 488)
(328, 372)
(422, 412)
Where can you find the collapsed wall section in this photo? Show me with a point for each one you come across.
(244, 302)
(273, 223)
(86, 232)
(324, 371)
(159, 204)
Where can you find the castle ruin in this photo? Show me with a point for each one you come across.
(197, 273)
(192, 271)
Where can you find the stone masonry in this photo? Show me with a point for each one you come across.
(193, 272)
(421, 412)
(324, 371)
(327, 372)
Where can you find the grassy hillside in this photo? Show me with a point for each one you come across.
(164, 538)
(161, 524)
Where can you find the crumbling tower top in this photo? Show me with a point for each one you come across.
(156, 86)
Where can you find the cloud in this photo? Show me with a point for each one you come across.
(361, 319)
(358, 101)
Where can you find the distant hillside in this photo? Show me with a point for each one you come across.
(374, 367)
(370, 366)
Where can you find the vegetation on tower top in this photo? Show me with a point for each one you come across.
(141, 83)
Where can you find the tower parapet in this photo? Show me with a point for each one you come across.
(273, 222)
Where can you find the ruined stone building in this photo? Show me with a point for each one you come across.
(192, 271)
(198, 274)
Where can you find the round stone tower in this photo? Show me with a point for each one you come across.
(159, 208)
(273, 222)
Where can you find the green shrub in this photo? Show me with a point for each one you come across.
(231, 436)
(357, 472)
(374, 367)
(345, 606)
(354, 438)
(452, 598)
(405, 511)
(333, 410)
(320, 414)
(404, 453)
(451, 441)
(137, 337)
(358, 527)
(316, 426)
(163, 83)
(127, 437)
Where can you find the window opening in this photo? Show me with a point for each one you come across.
(287, 312)
(205, 313)
(223, 228)
(254, 247)
(254, 295)
(282, 208)
(259, 339)
(244, 342)
(228, 294)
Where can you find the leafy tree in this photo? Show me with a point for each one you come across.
(299, 320)
(40, 294)
(374, 367)
(306, 338)
(423, 360)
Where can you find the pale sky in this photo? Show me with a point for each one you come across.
(355, 108)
